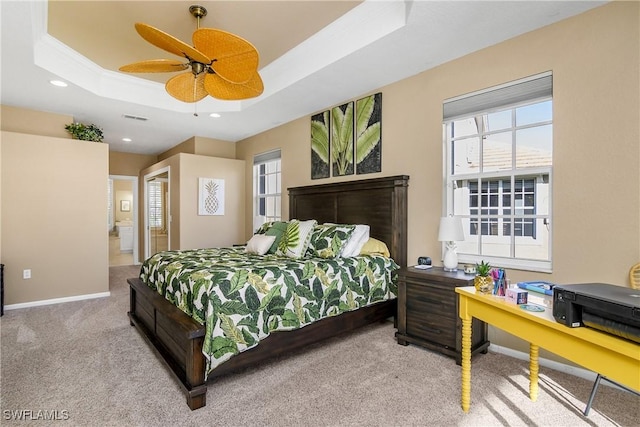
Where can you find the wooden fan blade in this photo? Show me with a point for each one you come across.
(186, 87)
(155, 66)
(220, 88)
(234, 59)
(169, 43)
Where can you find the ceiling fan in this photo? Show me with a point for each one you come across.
(223, 65)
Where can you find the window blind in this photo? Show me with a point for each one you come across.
(266, 157)
(528, 89)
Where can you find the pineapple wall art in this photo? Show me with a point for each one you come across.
(210, 196)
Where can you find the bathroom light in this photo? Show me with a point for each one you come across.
(214, 115)
(58, 83)
(126, 139)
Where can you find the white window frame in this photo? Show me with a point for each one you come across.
(509, 96)
(273, 193)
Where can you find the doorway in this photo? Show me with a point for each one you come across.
(123, 221)
(157, 217)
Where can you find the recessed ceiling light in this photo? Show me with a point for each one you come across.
(126, 139)
(214, 115)
(58, 83)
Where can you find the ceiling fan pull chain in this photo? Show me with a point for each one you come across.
(195, 104)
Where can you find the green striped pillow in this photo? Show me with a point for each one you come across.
(295, 240)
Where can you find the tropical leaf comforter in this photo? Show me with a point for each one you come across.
(241, 298)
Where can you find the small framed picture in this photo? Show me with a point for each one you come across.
(125, 205)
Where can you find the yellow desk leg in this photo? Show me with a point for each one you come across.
(533, 372)
(466, 364)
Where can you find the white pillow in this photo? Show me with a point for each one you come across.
(357, 240)
(259, 244)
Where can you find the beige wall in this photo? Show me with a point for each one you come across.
(202, 231)
(20, 120)
(204, 147)
(215, 148)
(129, 164)
(122, 190)
(54, 217)
(188, 230)
(595, 60)
(188, 146)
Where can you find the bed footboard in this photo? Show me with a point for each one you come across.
(175, 336)
(178, 339)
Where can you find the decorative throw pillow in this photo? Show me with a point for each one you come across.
(375, 247)
(358, 238)
(295, 240)
(276, 230)
(327, 240)
(264, 227)
(259, 244)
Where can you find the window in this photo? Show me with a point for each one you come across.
(155, 204)
(498, 152)
(266, 186)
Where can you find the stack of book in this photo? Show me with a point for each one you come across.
(539, 287)
(540, 293)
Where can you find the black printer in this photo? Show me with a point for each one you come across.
(609, 308)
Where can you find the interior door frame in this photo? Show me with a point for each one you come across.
(134, 210)
(148, 178)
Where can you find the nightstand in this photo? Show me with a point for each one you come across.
(428, 311)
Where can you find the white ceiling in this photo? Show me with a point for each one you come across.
(314, 55)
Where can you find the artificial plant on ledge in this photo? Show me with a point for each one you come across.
(85, 132)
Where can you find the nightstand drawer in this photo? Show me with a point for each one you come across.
(437, 329)
(431, 301)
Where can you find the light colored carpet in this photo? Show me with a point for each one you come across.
(84, 358)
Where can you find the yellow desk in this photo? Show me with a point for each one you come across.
(613, 357)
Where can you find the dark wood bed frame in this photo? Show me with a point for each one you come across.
(178, 339)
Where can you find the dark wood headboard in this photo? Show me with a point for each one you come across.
(379, 202)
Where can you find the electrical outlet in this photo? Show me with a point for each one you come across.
(26, 274)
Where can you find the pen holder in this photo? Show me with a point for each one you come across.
(500, 283)
(499, 288)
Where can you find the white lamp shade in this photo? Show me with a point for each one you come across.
(450, 229)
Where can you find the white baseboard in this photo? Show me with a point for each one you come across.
(56, 301)
(562, 367)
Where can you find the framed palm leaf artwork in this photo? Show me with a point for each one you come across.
(342, 139)
(320, 149)
(368, 123)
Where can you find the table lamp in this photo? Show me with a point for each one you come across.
(450, 232)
